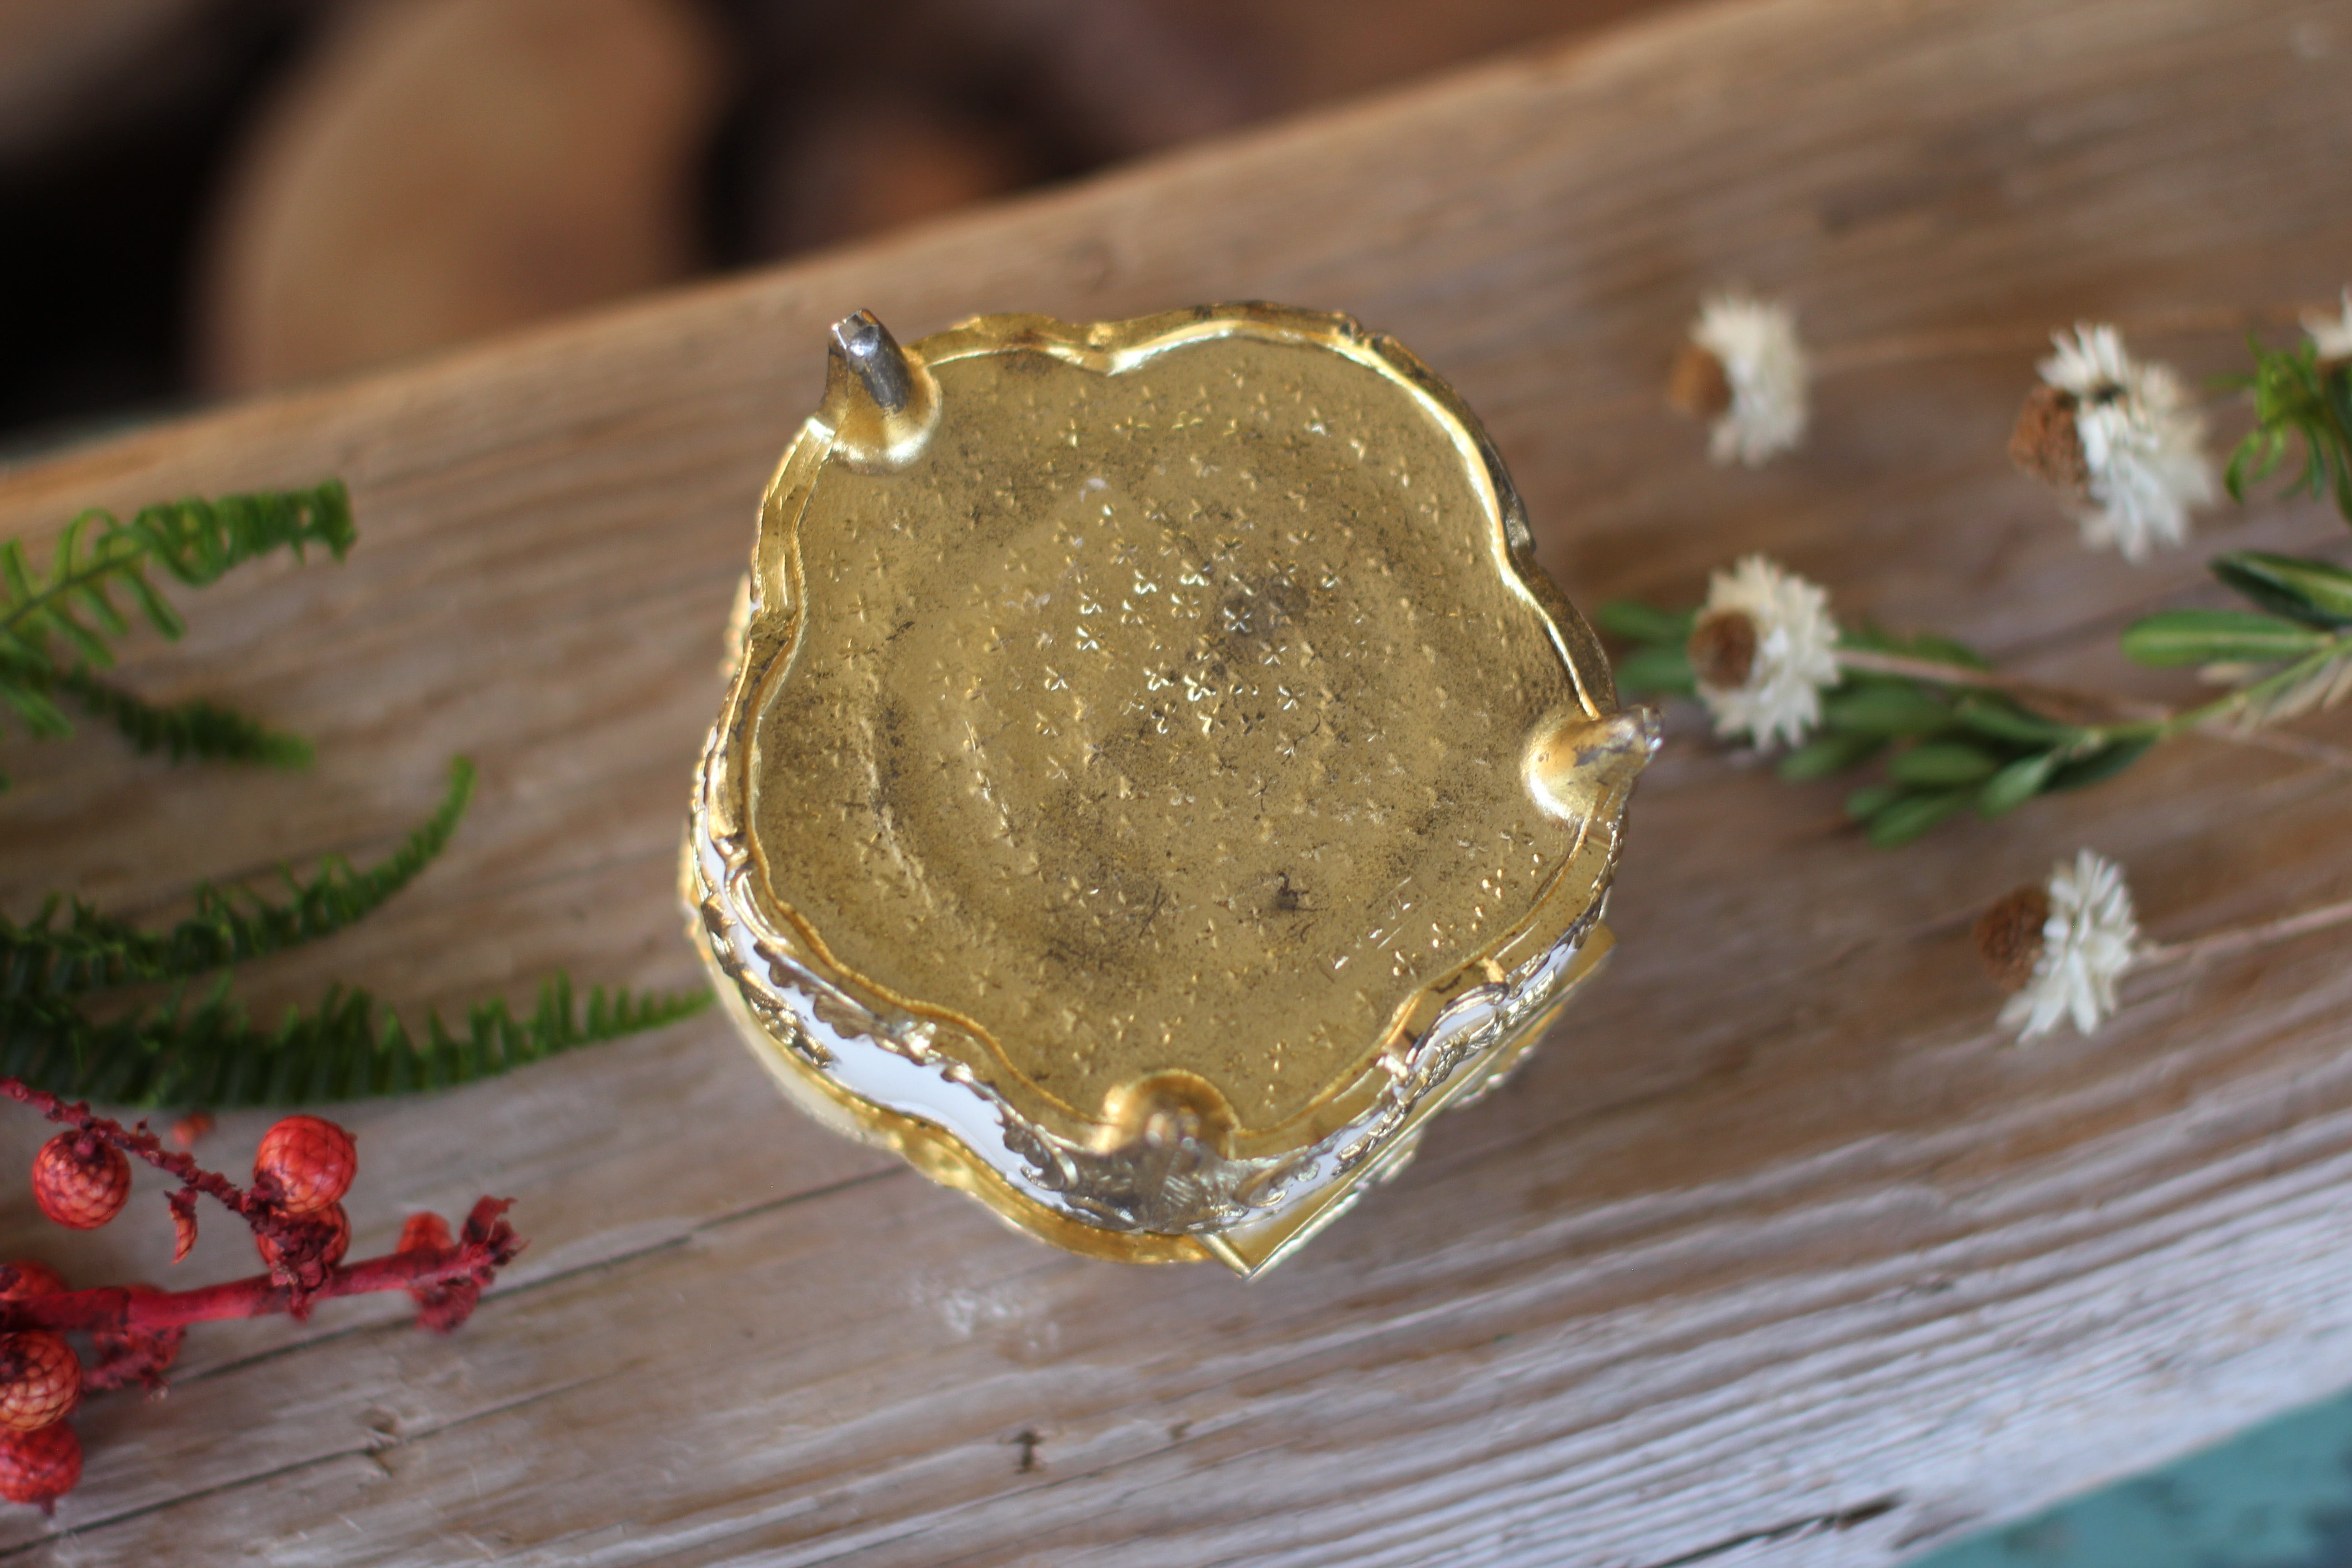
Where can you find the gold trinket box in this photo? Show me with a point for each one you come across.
(1156, 777)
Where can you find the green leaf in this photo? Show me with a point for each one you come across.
(1637, 622)
(41, 718)
(2100, 766)
(1940, 763)
(155, 606)
(1830, 754)
(2004, 719)
(1661, 668)
(1901, 821)
(15, 569)
(87, 645)
(2170, 639)
(1871, 799)
(2254, 459)
(1890, 708)
(2315, 592)
(2016, 783)
(2296, 398)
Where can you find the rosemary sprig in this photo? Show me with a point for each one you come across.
(2297, 395)
(1951, 735)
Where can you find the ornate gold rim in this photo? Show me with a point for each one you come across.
(1377, 1103)
(1569, 895)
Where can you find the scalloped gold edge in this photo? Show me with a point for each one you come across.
(1556, 913)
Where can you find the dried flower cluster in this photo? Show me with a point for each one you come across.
(1743, 369)
(2119, 440)
(1762, 651)
(81, 1178)
(2060, 947)
(2331, 336)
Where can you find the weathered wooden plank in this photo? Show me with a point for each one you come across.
(1776, 1254)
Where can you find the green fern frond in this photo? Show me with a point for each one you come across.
(59, 621)
(199, 729)
(193, 540)
(94, 952)
(59, 625)
(209, 1054)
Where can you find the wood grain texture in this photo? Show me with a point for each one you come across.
(1775, 1255)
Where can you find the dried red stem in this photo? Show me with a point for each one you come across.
(444, 1280)
(135, 1332)
(489, 1244)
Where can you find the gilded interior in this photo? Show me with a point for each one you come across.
(1169, 712)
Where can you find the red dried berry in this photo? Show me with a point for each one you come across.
(338, 1242)
(40, 1380)
(39, 1466)
(32, 1278)
(306, 1163)
(80, 1181)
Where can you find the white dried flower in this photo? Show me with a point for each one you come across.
(1759, 403)
(2089, 939)
(1763, 648)
(2331, 335)
(2143, 448)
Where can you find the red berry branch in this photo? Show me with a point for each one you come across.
(81, 1179)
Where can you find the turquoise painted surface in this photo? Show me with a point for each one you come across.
(2277, 1496)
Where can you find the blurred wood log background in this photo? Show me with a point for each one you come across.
(1777, 1254)
(231, 195)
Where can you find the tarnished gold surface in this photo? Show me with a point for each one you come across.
(1151, 730)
